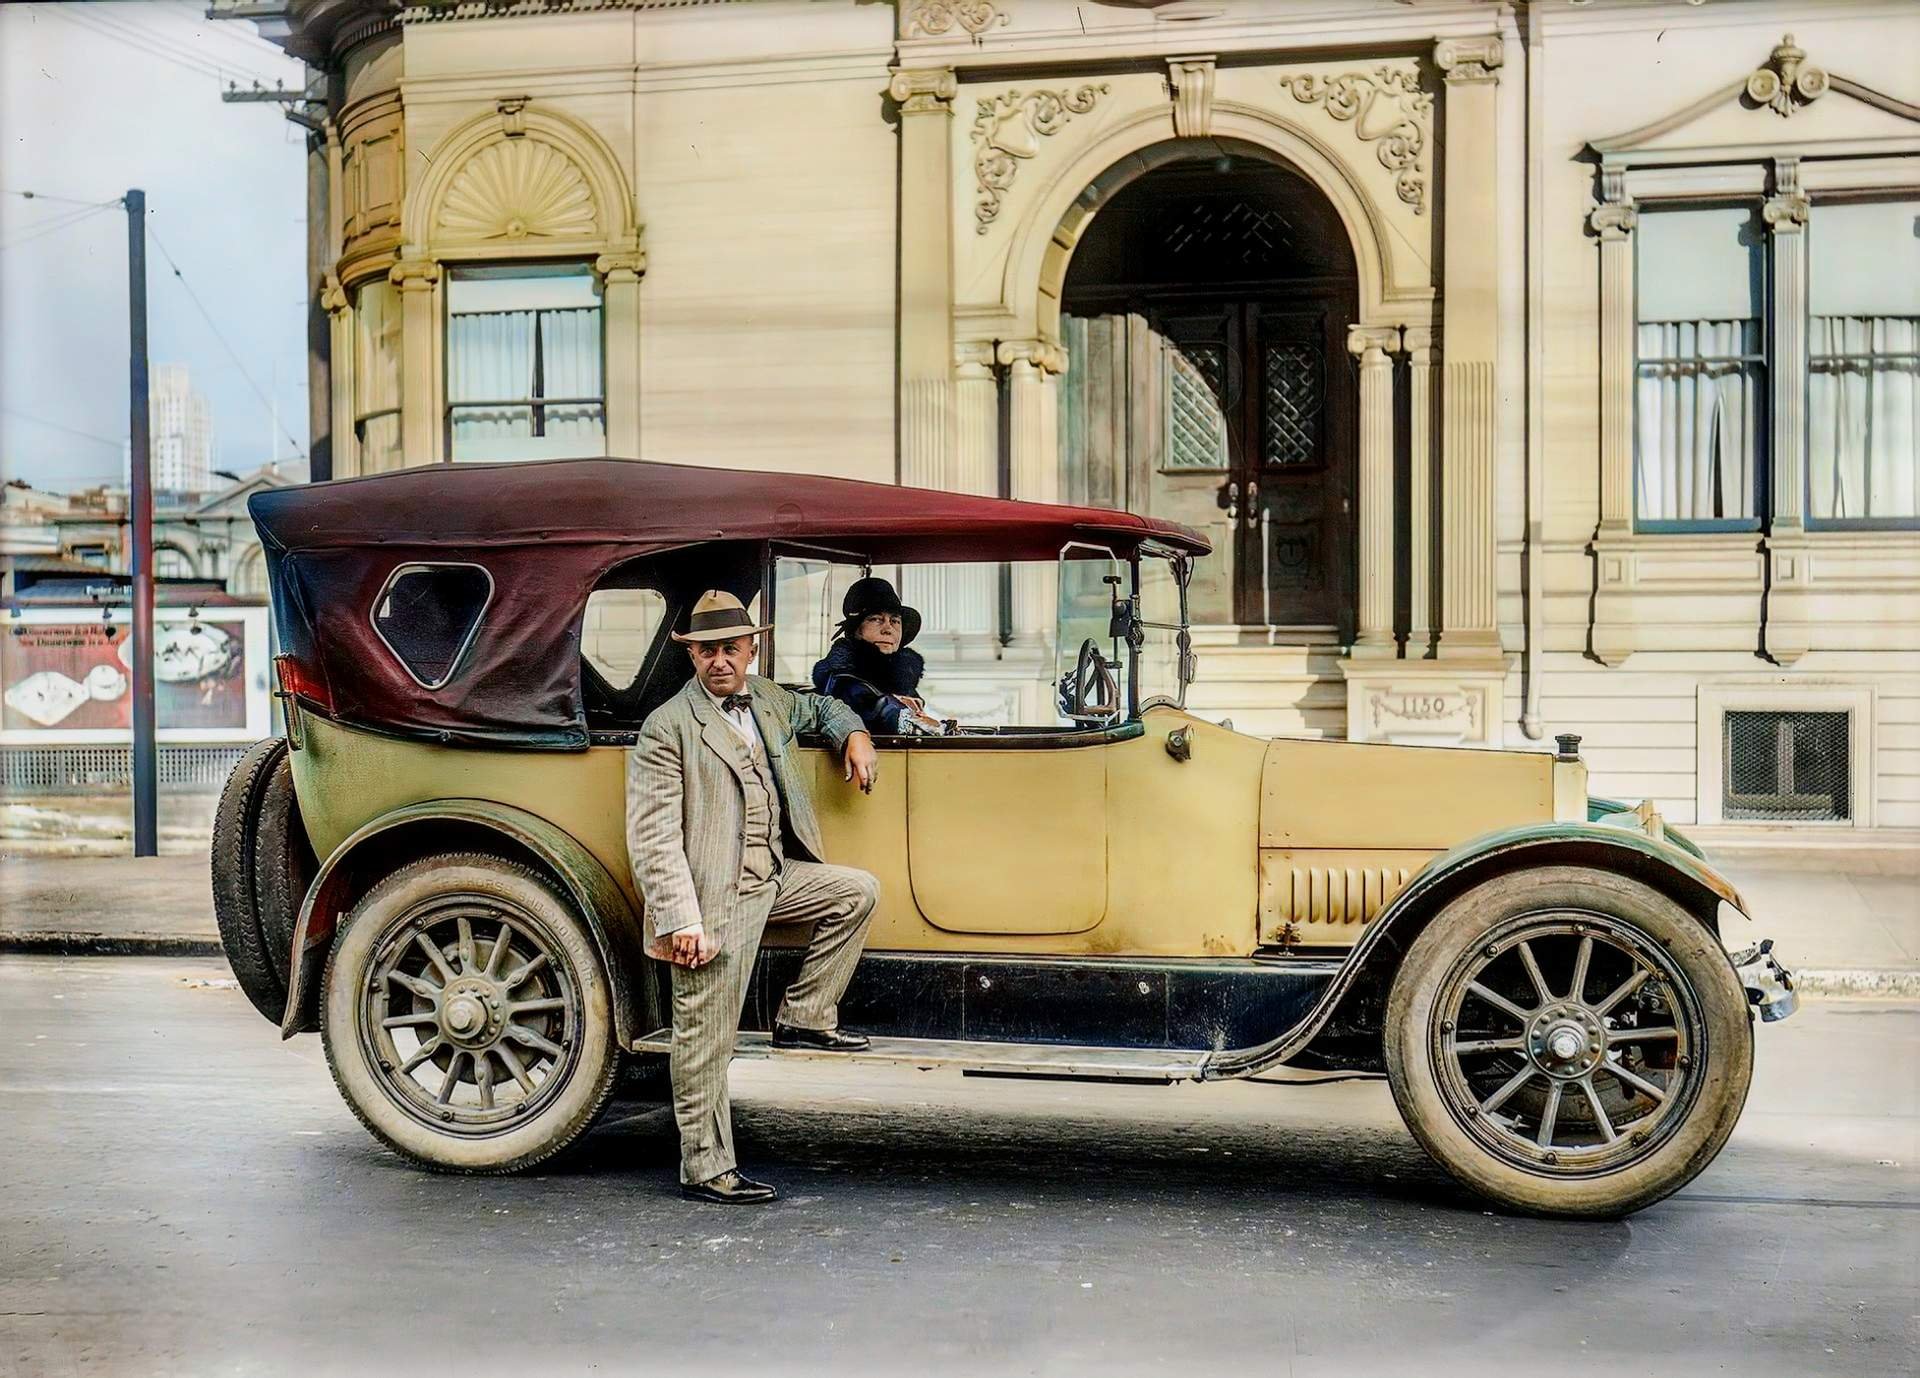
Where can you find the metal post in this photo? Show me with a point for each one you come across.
(145, 762)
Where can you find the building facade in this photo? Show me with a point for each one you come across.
(1535, 368)
(181, 432)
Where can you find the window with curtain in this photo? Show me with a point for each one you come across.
(1700, 381)
(376, 375)
(1863, 362)
(524, 363)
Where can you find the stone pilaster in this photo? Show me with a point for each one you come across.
(1613, 222)
(1470, 286)
(972, 593)
(1033, 412)
(1421, 357)
(1373, 344)
(344, 377)
(1788, 635)
(925, 97)
(620, 303)
(420, 353)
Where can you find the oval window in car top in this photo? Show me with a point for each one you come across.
(428, 614)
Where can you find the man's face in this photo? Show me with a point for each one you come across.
(722, 665)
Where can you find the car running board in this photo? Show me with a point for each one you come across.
(987, 1059)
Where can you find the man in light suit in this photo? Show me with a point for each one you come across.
(723, 840)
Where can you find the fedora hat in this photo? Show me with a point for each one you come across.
(718, 616)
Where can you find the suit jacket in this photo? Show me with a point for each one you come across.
(686, 800)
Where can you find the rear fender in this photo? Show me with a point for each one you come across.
(1369, 968)
(440, 825)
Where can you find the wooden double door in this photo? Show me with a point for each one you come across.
(1271, 379)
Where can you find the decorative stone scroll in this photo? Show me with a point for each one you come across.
(933, 18)
(1008, 128)
(1192, 81)
(1787, 81)
(1385, 106)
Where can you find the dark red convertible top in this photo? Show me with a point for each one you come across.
(549, 531)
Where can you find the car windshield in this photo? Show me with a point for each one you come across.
(1027, 645)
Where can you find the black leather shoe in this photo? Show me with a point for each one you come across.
(729, 1189)
(825, 1040)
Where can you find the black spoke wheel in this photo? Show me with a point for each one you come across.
(1569, 1042)
(466, 1015)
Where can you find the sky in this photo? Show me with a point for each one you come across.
(99, 97)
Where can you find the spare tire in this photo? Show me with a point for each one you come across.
(283, 865)
(235, 831)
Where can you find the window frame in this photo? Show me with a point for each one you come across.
(459, 656)
(1763, 459)
(1910, 195)
(523, 268)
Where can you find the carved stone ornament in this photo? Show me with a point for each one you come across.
(513, 115)
(1192, 81)
(1432, 708)
(933, 18)
(1385, 106)
(1008, 128)
(924, 90)
(333, 297)
(1470, 59)
(414, 274)
(1787, 80)
(518, 190)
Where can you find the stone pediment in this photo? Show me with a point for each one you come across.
(1788, 104)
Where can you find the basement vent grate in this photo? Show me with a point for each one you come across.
(1787, 767)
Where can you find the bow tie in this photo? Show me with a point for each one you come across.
(736, 703)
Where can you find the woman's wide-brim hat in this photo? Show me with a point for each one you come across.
(873, 594)
(718, 616)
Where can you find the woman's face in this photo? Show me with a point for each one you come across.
(882, 629)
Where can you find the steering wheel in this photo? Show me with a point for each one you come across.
(1093, 694)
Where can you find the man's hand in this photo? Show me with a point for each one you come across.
(862, 762)
(692, 947)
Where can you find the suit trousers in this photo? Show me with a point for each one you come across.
(708, 1000)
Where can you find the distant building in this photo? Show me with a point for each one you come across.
(182, 432)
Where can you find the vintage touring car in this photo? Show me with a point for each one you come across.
(1079, 877)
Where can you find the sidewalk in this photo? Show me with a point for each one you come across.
(1852, 931)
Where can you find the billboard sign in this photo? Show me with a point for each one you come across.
(66, 678)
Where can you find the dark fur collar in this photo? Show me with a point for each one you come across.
(898, 673)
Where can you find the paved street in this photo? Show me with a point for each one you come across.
(185, 1194)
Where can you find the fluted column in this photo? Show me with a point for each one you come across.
(1613, 222)
(1420, 410)
(1788, 635)
(925, 97)
(341, 380)
(620, 303)
(1373, 344)
(1470, 288)
(1033, 369)
(419, 282)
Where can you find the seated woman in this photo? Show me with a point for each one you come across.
(868, 666)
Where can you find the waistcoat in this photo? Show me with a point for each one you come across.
(760, 851)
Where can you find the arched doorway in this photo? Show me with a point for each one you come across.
(1205, 314)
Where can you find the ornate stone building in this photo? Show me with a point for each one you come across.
(1535, 368)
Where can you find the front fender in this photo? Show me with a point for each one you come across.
(403, 834)
(1686, 879)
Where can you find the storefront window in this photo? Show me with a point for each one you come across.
(1863, 385)
(524, 363)
(1701, 367)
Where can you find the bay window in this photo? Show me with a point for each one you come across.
(525, 363)
(1863, 364)
(376, 375)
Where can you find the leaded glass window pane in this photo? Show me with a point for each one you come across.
(1293, 394)
(1196, 425)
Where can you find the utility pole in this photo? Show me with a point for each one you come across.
(146, 772)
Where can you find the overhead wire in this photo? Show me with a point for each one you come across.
(66, 220)
(207, 316)
(70, 430)
(177, 45)
(49, 196)
(144, 43)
